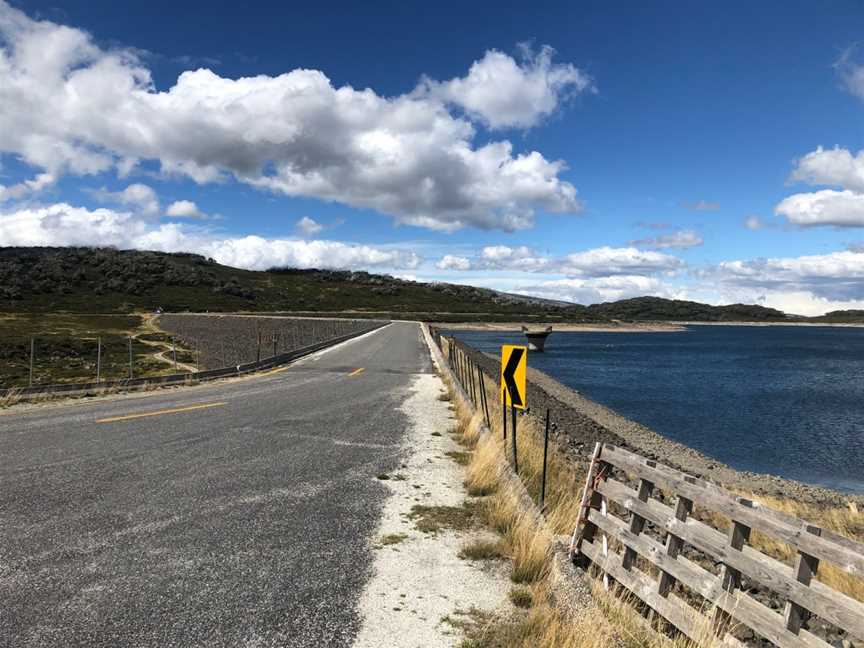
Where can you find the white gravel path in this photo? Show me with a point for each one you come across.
(420, 580)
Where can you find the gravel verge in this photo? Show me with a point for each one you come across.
(420, 586)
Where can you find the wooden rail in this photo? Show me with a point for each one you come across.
(681, 581)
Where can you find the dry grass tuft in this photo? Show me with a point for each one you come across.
(482, 550)
(484, 470)
(521, 596)
(433, 519)
(10, 399)
(461, 458)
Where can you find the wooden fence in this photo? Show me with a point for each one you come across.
(630, 533)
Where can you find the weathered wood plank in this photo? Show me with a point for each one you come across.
(804, 571)
(730, 577)
(827, 603)
(637, 522)
(848, 555)
(674, 544)
(689, 621)
(585, 503)
(741, 606)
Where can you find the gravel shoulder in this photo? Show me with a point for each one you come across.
(418, 579)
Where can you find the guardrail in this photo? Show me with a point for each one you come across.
(620, 525)
(212, 374)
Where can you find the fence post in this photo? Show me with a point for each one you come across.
(174, 351)
(130, 357)
(483, 397)
(258, 359)
(98, 358)
(583, 530)
(515, 457)
(545, 455)
(739, 535)
(197, 357)
(806, 566)
(32, 353)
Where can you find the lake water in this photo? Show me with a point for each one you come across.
(782, 400)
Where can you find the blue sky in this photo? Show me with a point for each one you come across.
(579, 151)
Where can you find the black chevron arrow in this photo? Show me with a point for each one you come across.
(509, 370)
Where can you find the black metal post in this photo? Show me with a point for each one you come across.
(32, 353)
(515, 457)
(130, 357)
(483, 398)
(259, 347)
(545, 453)
(504, 419)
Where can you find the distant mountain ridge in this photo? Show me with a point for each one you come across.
(106, 280)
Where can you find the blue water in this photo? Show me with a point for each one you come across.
(783, 400)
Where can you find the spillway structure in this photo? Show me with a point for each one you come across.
(536, 339)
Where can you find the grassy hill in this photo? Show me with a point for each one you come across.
(99, 280)
(658, 309)
(102, 280)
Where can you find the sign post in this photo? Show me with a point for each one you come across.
(514, 367)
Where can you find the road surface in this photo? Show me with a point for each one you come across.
(234, 513)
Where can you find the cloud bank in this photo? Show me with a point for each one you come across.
(68, 106)
(64, 225)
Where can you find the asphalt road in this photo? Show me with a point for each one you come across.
(241, 522)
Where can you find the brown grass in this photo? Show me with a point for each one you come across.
(482, 550)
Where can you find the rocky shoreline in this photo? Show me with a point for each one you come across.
(580, 423)
(651, 444)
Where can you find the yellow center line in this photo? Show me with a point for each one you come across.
(190, 408)
(273, 372)
(357, 372)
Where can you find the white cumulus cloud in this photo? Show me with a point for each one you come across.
(452, 262)
(70, 106)
(837, 276)
(598, 262)
(599, 289)
(607, 261)
(184, 209)
(26, 188)
(826, 207)
(504, 93)
(309, 226)
(837, 166)
(139, 197)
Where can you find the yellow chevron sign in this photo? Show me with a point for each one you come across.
(514, 367)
